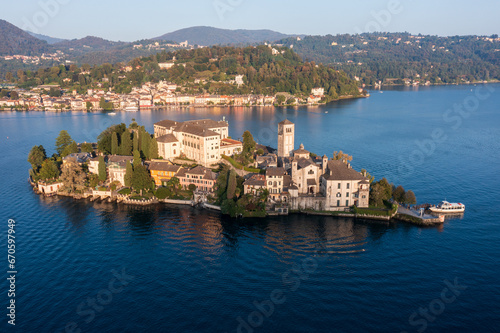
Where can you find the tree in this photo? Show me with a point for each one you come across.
(55, 92)
(341, 156)
(62, 141)
(136, 141)
(137, 159)
(129, 173)
(14, 95)
(49, 170)
(70, 149)
(93, 180)
(153, 149)
(410, 198)
(175, 184)
(192, 187)
(36, 157)
(248, 142)
(87, 147)
(280, 99)
(231, 185)
(102, 169)
(126, 144)
(141, 179)
(399, 194)
(73, 176)
(114, 143)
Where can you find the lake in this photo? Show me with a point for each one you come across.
(99, 267)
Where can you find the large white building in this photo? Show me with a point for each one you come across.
(199, 140)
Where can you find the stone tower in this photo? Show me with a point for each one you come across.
(286, 138)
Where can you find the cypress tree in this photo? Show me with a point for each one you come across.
(153, 149)
(102, 169)
(129, 173)
(126, 145)
(114, 143)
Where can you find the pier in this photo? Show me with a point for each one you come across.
(412, 216)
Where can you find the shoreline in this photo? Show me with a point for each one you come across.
(195, 106)
(389, 219)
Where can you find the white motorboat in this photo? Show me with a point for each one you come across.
(447, 207)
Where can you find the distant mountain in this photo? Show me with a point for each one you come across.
(208, 36)
(48, 39)
(16, 41)
(89, 43)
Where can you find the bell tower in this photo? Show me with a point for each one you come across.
(286, 138)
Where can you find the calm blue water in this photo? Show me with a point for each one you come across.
(189, 270)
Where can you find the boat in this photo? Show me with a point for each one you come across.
(111, 113)
(448, 208)
(131, 109)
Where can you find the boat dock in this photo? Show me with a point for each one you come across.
(413, 216)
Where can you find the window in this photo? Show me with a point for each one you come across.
(364, 196)
(347, 194)
(348, 186)
(347, 202)
(338, 185)
(311, 172)
(338, 203)
(339, 194)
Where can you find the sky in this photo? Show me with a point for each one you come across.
(129, 20)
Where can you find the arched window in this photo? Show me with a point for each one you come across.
(275, 184)
(339, 194)
(311, 172)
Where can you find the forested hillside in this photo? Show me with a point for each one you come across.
(386, 56)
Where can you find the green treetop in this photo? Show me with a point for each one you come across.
(62, 141)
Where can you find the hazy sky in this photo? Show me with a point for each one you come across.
(130, 20)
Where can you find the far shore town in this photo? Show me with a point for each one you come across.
(149, 95)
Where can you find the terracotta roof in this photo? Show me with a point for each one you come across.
(304, 162)
(195, 130)
(225, 142)
(275, 172)
(286, 122)
(168, 138)
(201, 171)
(338, 170)
(167, 123)
(207, 123)
(256, 180)
(119, 158)
(164, 166)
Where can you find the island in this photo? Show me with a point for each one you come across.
(195, 162)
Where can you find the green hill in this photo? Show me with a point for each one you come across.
(16, 41)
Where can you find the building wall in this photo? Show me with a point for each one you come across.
(343, 194)
(169, 150)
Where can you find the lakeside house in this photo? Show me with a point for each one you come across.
(202, 178)
(116, 167)
(163, 171)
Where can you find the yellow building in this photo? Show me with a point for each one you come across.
(163, 171)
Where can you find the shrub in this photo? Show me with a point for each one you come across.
(125, 191)
(163, 193)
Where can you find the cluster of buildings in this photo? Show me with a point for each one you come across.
(57, 56)
(303, 181)
(148, 96)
